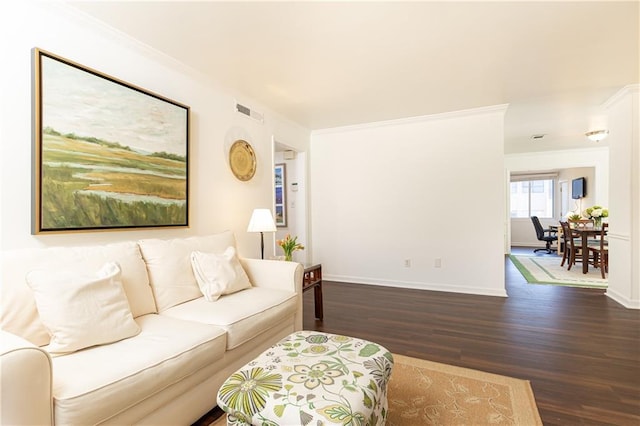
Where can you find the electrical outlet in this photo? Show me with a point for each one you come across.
(407, 263)
(437, 262)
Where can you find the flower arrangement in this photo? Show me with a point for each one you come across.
(596, 213)
(289, 245)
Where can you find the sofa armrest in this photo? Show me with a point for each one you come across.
(274, 273)
(277, 274)
(26, 382)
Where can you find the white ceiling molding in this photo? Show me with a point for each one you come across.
(421, 119)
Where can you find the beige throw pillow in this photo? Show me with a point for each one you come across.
(169, 265)
(82, 310)
(219, 274)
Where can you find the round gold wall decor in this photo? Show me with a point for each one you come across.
(242, 160)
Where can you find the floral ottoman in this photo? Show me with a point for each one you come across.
(310, 378)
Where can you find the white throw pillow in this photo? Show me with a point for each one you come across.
(82, 310)
(219, 274)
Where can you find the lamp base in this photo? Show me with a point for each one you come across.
(262, 245)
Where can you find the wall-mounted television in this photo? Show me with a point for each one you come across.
(578, 188)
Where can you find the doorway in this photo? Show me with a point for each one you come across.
(290, 205)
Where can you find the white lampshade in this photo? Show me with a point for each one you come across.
(261, 221)
(597, 135)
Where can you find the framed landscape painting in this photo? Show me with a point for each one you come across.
(108, 155)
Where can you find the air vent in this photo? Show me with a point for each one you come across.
(249, 112)
(243, 110)
(538, 136)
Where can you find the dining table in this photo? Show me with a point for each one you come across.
(585, 232)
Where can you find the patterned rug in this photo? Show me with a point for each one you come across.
(428, 393)
(423, 392)
(547, 270)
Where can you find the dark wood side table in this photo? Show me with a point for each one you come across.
(313, 279)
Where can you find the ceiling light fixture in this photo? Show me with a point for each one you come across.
(597, 135)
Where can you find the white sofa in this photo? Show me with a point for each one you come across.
(167, 374)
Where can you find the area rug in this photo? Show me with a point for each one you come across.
(423, 392)
(547, 270)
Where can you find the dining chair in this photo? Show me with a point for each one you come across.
(572, 246)
(600, 251)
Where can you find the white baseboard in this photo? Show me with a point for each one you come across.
(417, 285)
(624, 301)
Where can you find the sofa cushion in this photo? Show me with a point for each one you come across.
(19, 313)
(218, 273)
(169, 265)
(82, 310)
(243, 315)
(94, 384)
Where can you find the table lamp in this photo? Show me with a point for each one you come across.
(261, 221)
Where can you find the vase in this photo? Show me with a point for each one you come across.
(288, 257)
(597, 222)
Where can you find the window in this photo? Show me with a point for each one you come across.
(532, 197)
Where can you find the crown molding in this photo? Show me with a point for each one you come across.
(502, 108)
(620, 94)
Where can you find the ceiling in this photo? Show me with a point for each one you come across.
(330, 64)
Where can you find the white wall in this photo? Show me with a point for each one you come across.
(421, 189)
(624, 210)
(218, 201)
(520, 231)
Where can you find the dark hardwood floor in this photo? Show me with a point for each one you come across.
(579, 349)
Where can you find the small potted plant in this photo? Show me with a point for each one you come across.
(289, 245)
(573, 219)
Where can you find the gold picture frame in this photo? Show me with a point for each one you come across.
(107, 155)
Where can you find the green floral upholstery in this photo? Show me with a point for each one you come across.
(311, 378)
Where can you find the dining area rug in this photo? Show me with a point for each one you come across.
(547, 270)
(422, 392)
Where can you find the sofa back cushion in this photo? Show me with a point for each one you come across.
(169, 265)
(19, 312)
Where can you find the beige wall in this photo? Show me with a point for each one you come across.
(218, 201)
(571, 163)
(522, 232)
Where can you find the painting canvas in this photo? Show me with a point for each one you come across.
(280, 178)
(108, 155)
